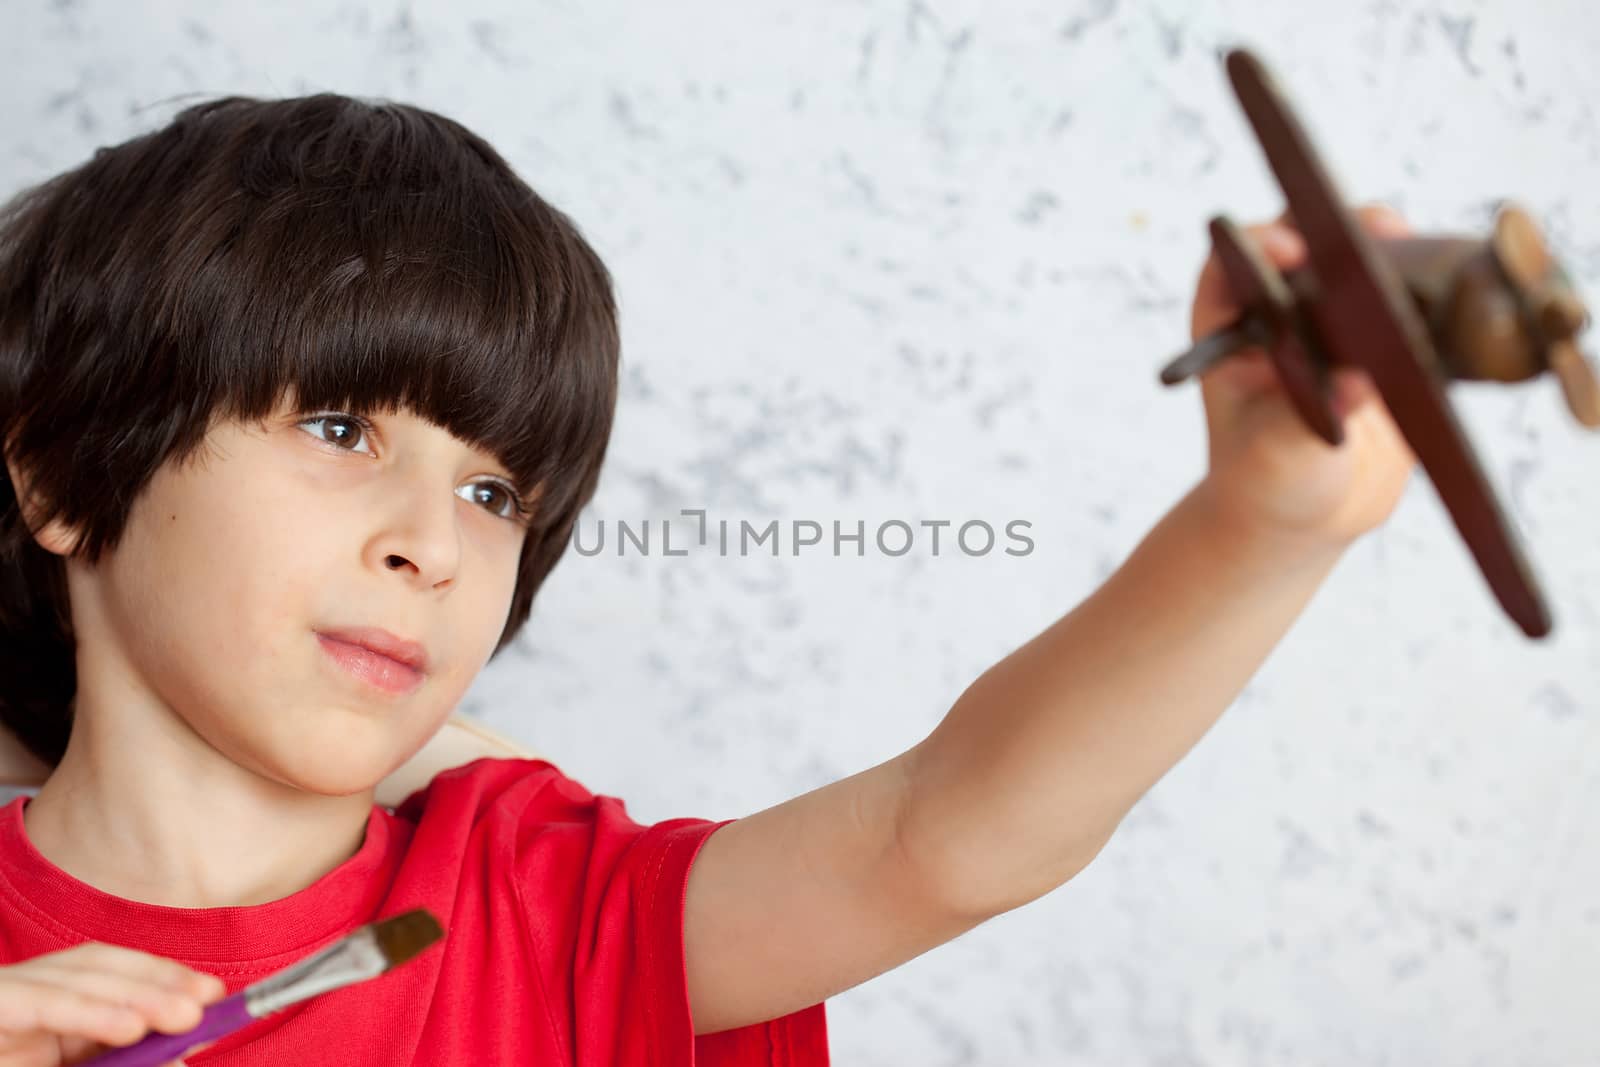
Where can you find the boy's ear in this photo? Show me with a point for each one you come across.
(54, 536)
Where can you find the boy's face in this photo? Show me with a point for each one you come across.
(213, 610)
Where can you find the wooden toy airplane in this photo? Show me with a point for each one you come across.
(1414, 313)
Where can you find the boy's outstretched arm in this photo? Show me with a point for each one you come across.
(1038, 761)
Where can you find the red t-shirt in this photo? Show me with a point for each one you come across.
(563, 940)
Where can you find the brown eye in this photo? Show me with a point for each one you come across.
(339, 430)
(498, 498)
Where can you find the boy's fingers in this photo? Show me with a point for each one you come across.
(1382, 220)
(1283, 243)
(1377, 218)
(1285, 248)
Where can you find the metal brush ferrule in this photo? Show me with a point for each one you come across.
(353, 959)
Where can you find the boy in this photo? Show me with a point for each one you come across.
(301, 399)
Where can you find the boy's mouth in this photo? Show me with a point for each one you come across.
(388, 662)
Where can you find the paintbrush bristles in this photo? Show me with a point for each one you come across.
(405, 935)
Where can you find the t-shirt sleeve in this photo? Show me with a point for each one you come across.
(605, 900)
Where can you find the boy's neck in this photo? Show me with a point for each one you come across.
(209, 836)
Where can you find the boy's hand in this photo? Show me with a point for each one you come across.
(65, 1007)
(1268, 470)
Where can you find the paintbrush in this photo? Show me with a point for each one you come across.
(368, 952)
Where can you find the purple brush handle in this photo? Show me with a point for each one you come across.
(220, 1019)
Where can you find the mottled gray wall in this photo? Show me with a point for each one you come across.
(922, 261)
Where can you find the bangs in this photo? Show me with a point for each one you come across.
(408, 276)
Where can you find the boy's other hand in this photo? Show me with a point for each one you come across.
(68, 1006)
(1268, 470)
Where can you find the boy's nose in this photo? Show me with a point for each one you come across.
(420, 535)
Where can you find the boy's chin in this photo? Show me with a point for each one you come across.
(337, 770)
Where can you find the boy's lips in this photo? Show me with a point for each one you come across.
(384, 643)
(388, 662)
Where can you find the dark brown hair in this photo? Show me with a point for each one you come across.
(367, 255)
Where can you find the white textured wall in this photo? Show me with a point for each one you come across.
(923, 261)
